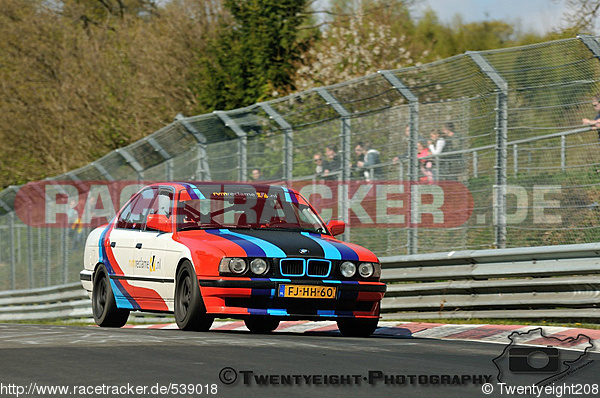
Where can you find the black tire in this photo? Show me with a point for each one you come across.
(104, 306)
(261, 324)
(357, 327)
(190, 313)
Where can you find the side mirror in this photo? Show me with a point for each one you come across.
(336, 227)
(159, 222)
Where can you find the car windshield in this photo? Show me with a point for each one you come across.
(246, 207)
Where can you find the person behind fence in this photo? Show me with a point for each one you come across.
(370, 163)
(318, 159)
(405, 154)
(256, 175)
(331, 164)
(594, 123)
(357, 171)
(436, 145)
(454, 162)
(76, 225)
(425, 164)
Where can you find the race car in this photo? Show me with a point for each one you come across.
(201, 251)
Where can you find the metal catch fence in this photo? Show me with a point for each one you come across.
(512, 123)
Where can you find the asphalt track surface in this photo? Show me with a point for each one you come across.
(91, 356)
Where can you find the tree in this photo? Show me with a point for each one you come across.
(254, 55)
(353, 45)
(74, 88)
(581, 15)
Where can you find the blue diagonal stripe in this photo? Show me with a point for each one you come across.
(331, 252)
(346, 252)
(193, 191)
(123, 299)
(270, 249)
(251, 248)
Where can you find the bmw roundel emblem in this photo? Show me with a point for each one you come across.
(303, 251)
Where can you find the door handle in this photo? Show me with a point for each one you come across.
(138, 246)
(113, 244)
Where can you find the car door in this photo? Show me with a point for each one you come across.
(151, 252)
(123, 238)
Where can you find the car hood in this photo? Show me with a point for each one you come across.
(276, 244)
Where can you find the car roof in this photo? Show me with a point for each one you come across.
(259, 186)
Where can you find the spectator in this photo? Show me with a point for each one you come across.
(370, 163)
(357, 168)
(76, 232)
(594, 123)
(450, 138)
(256, 175)
(437, 143)
(331, 165)
(396, 159)
(318, 159)
(454, 162)
(426, 164)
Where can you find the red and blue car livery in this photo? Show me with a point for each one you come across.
(260, 253)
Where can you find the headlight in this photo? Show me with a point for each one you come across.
(233, 266)
(347, 269)
(259, 266)
(237, 265)
(366, 270)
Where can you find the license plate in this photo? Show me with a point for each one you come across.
(307, 291)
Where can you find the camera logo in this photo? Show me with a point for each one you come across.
(534, 358)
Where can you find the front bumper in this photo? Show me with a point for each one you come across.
(259, 296)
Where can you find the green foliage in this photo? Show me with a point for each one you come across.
(254, 55)
(83, 77)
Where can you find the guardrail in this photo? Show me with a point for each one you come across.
(59, 302)
(538, 282)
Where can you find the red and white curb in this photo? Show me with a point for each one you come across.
(571, 338)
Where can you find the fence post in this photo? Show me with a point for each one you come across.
(103, 171)
(288, 140)
(242, 143)
(591, 43)
(65, 250)
(132, 162)
(516, 159)
(13, 255)
(202, 170)
(501, 129)
(30, 256)
(413, 161)
(165, 155)
(8, 211)
(563, 152)
(48, 257)
(346, 153)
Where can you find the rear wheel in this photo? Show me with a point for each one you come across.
(104, 306)
(190, 313)
(357, 327)
(261, 324)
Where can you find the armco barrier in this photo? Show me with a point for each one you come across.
(539, 282)
(59, 302)
(536, 282)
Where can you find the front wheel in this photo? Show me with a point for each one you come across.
(104, 306)
(357, 327)
(261, 324)
(190, 313)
